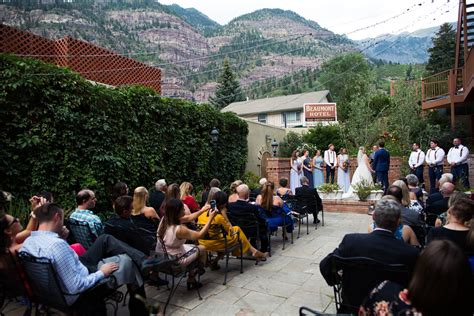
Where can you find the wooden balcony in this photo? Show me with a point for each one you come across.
(439, 90)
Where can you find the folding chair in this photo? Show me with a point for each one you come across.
(249, 225)
(218, 232)
(46, 288)
(355, 269)
(82, 232)
(284, 225)
(299, 211)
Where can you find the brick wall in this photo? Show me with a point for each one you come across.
(92, 62)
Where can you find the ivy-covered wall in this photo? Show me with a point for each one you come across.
(61, 133)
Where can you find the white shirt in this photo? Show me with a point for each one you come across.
(330, 157)
(417, 158)
(435, 156)
(458, 155)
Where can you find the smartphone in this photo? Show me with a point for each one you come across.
(213, 205)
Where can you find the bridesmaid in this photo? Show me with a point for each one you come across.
(318, 176)
(307, 168)
(343, 176)
(295, 171)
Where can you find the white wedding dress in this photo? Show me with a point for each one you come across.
(362, 173)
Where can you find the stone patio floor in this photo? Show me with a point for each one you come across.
(280, 286)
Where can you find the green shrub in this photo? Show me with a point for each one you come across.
(251, 180)
(61, 133)
(289, 143)
(328, 187)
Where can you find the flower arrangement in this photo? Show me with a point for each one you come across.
(364, 188)
(328, 188)
(309, 147)
(345, 166)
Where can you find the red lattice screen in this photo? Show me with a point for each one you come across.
(92, 62)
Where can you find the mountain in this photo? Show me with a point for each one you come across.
(404, 48)
(186, 44)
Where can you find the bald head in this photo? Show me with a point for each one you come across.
(243, 191)
(447, 189)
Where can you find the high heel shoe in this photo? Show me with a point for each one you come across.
(260, 256)
(193, 285)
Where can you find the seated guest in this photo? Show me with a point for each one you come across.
(119, 189)
(173, 235)
(437, 196)
(214, 183)
(158, 196)
(309, 197)
(443, 218)
(121, 227)
(457, 230)
(273, 209)
(172, 192)
(143, 216)
(283, 191)
(412, 183)
(86, 200)
(243, 207)
(409, 217)
(186, 191)
(257, 191)
(441, 206)
(233, 191)
(380, 245)
(441, 285)
(215, 242)
(78, 274)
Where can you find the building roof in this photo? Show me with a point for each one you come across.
(277, 104)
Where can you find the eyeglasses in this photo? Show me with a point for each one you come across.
(15, 220)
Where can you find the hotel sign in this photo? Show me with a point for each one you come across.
(320, 112)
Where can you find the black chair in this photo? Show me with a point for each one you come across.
(218, 232)
(348, 273)
(249, 225)
(299, 211)
(46, 288)
(170, 267)
(82, 232)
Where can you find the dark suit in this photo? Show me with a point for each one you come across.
(438, 208)
(242, 208)
(123, 229)
(307, 196)
(156, 198)
(434, 197)
(379, 245)
(381, 165)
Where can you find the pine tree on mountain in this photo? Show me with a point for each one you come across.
(443, 51)
(228, 88)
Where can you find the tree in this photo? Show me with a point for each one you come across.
(228, 88)
(346, 76)
(443, 51)
(323, 135)
(290, 143)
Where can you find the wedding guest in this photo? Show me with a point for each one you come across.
(309, 197)
(441, 285)
(143, 216)
(441, 206)
(234, 233)
(158, 196)
(460, 227)
(437, 196)
(409, 217)
(256, 192)
(416, 162)
(434, 160)
(457, 159)
(119, 189)
(295, 171)
(86, 201)
(214, 183)
(233, 191)
(172, 235)
(443, 218)
(343, 176)
(272, 208)
(186, 191)
(173, 193)
(318, 176)
(330, 159)
(409, 199)
(412, 182)
(307, 168)
(283, 190)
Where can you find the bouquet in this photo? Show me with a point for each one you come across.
(345, 166)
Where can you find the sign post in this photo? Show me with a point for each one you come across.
(319, 112)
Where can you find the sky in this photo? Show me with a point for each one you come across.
(340, 16)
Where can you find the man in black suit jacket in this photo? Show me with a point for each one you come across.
(440, 206)
(380, 245)
(241, 208)
(157, 197)
(309, 197)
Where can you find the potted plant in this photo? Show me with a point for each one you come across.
(328, 191)
(363, 189)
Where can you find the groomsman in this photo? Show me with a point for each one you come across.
(457, 159)
(330, 159)
(416, 162)
(434, 160)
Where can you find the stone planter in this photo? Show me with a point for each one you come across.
(375, 195)
(323, 195)
(338, 194)
(331, 195)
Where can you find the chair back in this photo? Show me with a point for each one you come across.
(306, 204)
(43, 280)
(247, 222)
(357, 276)
(82, 232)
(12, 279)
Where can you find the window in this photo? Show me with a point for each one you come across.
(262, 117)
(292, 117)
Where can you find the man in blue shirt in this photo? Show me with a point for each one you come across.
(86, 200)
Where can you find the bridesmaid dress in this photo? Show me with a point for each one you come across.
(318, 175)
(343, 178)
(295, 176)
(308, 173)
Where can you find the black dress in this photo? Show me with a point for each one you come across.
(459, 237)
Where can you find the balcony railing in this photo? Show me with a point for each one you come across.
(442, 84)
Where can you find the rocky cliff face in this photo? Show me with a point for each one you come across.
(162, 37)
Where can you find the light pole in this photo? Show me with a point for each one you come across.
(274, 145)
(214, 139)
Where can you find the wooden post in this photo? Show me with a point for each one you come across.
(422, 90)
(451, 89)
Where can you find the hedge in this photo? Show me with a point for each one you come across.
(62, 133)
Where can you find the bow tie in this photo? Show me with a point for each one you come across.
(457, 147)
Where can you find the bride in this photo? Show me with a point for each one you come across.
(363, 173)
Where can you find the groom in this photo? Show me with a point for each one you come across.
(381, 165)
